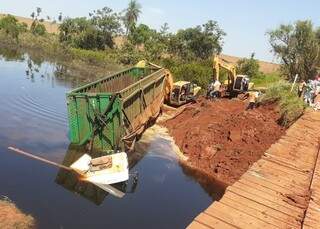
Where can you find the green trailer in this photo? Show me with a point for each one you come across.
(111, 113)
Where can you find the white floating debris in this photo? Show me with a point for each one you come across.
(116, 171)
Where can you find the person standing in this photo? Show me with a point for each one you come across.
(216, 89)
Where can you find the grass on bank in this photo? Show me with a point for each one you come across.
(265, 80)
(291, 106)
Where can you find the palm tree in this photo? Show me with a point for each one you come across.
(131, 15)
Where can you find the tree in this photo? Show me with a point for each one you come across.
(37, 28)
(197, 42)
(97, 32)
(164, 29)
(10, 25)
(107, 23)
(298, 46)
(141, 34)
(149, 40)
(248, 67)
(131, 15)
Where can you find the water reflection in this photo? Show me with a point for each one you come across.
(40, 67)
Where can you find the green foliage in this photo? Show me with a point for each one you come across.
(10, 25)
(93, 57)
(37, 28)
(198, 42)
(298, 46)
(196, 72)
(96, 32)
(291, 106)
(265, 80)
(141, 34)
(249, 67)
(128, 54)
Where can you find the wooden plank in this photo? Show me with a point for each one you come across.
(212, 222)
(197, 225)
(253, 181)
(258, 212)
(283, 177)
(263, 164)
(283, 163)
(281, 200)
(232, 198)
(237, 218)
(283, 207)
(272, 182)
(278, 179)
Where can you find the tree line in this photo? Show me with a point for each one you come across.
(296, 45)
(99, 30)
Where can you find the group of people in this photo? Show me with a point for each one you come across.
(308, 91)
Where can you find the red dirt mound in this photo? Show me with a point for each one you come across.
(221, 138)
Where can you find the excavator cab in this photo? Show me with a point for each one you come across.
(183, 92)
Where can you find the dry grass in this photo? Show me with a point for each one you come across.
(12, 217)
(50, 27)
(265, 67)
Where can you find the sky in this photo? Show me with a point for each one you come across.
(245, 21)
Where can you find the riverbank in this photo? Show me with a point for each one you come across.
(222, 139)
(86, 65)
(12, 217)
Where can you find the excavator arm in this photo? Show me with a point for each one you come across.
(222, 63)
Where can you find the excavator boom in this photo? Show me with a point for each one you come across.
(234, 82)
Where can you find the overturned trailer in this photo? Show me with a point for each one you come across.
(110, 113)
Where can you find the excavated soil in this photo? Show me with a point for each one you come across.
(221, 138)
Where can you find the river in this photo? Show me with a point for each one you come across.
(34, 118)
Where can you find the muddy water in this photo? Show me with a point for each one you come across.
(33, 117)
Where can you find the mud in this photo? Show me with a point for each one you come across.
(221, 138)
(12, 217)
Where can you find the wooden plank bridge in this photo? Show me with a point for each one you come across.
(281, 190)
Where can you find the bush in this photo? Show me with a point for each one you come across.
(196, 72)
(38, 29)
(291, 106)
(249, 67)
(11, 26)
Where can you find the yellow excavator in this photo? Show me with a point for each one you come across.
(183, 92)
(235, 84)
(177, 93)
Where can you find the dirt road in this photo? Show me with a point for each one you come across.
(221, 138)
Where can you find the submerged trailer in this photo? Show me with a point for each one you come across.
(110, 113)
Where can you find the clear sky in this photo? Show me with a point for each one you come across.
(244, 21)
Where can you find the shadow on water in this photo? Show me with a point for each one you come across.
(213, 187)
